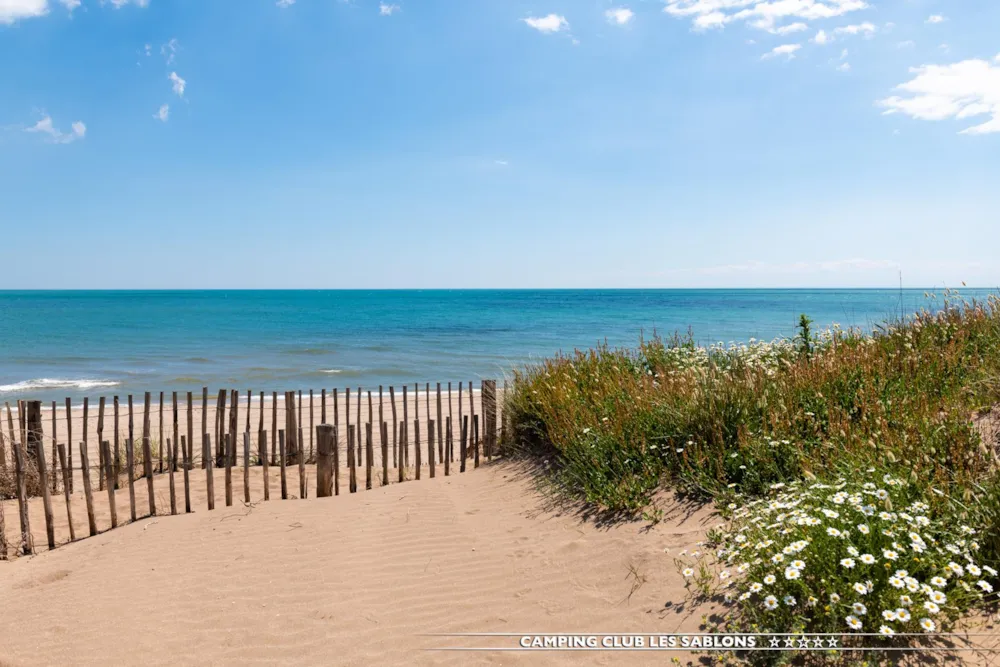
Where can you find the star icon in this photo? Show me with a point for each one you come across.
(803, 642)
(831, 642)
(818, 642)
(774, 642)
(789, 642)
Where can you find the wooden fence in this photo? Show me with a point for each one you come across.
(339, 447)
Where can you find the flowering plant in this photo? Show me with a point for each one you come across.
(847, 557)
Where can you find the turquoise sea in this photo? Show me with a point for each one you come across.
(74, 343)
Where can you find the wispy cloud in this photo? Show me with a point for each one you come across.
(783, 50)
(69, 4)
(547, 24)
(44, 126)
(179, 84)
(118, 4)
(163, 114)
(619, 15)
(761, 14)
(387, 10)
(285, 3)
(936, 18)
(967, 89)
(865, 28)
(790, 28)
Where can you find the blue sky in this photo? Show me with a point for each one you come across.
(489, 143)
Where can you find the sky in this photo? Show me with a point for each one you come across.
(499, 143)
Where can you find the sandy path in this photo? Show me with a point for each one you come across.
(349, 580)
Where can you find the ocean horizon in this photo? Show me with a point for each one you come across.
(75, 343)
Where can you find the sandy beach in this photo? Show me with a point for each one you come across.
(355, 579)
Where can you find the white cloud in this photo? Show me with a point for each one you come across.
(762, 14)
(68, 4)
(619, 15)
(844, 67)
(935, 18)
(789, 29)
(163, 114)
(44, 126)
(501, 163)
(859, 29)
(12, 10)
(547, 24)
(178, 83)
(822, 38)
(783, 50)
(966, 89)
(118, 4)
(169, 51)
(907, 44)
(387, 10)
(285, 3)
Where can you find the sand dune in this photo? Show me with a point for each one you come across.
(355, 579)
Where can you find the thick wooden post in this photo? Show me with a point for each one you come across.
(27, 544)
(159, 448)
(234, 425)
(227, 455)
(65, 475)
(358, 441)
(451, 448)
(475, 439)
(440, 425)
(368, 456)
(177, 436)
(43, 480)
(246, 463)
(100, 439)
(336, 459)
(324, 460)
(220, 428)
(490, 416)
(462, 446)
(130, 463)
(291, 427)
(401, 426)
(188, 449)
(312, 428)
(206, 451)
(322, 406)
(447, 447)
(264, 466)
(87, 490)
(396, 460)
(34, 431)
(3, 524)
(117, 466)
(274, 427)
(282, 452)
(69, 439)
(351, 463)
(171, 464)
(108, 470)
(55, 464)
(430, 445)
(406, 423)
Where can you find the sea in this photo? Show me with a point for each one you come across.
(57, 344)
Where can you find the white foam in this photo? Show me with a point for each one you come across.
(52, 383)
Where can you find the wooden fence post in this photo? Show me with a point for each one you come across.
(227, 455)
(3, 525)
(368, 456)
(264, 466)
(55, 439)
(440, 425)
(27, 544)
(303, 491)
(475, 439)
(396, 460)
(206, 451)
(147, 456)
(65, 475)
(282, 451)
(117, 466)
(416, 445)
(43, 479)
(351, 463)
(69, 439)
(87, 490)
(312, 428)
(108, 470)
(274, 427)
(100, 439)
(401, 426)
(324, 460)
(447, 447)
(159, 448)
(33, 431)
(171, 464)
(336, 460)
(385, 453)
(462, 444)
(291, 427)
(430, 445)
(186, 452)
(246, 463)
(177, 437)
(130, 463)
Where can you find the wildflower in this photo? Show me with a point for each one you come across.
(769, 579)
(902, 574)
(770, 603)
(834, 598)
(940, 582)
(860, 589)
(777, 558)
(955, 569)
(973, 569)
(811, 601)
(890, 554)
(928, 625)
(937, 597)
(912, 584)
(989, 570)
(886, 631)
(985, 585)
(905, 600)
(889, 615)
(830, 514)
(853, 623)
(724, 575)
(792, 573)
(903, 615)
(931, 607)
(848, 563)
(896, 582)
(859, 608)
(756, 587)
(864, 529)
(687, 572)
(799, 564)
(867, 559)
(789, 600)
(832, 532)
(853, 551)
